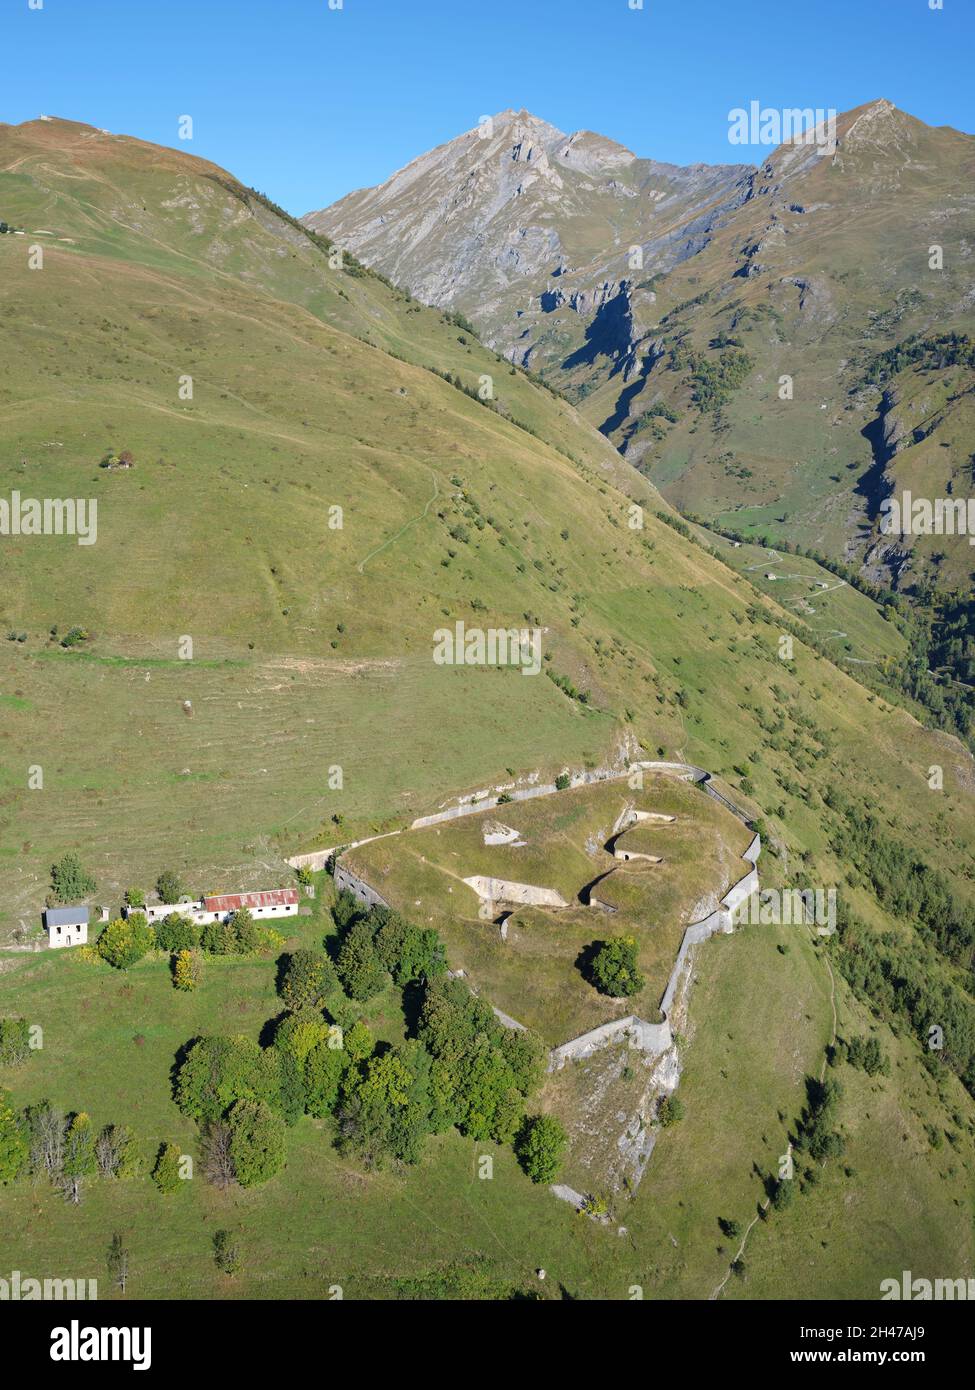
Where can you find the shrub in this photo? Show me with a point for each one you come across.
(256, 1141)
(13, 1143)
(219, 939)
(187, 970)
(69, 880)
(540, 1147)
(165, 1174)
(14, 1041)
(126, 940)
(671, 1110)
(227, 1253)
(614, 967)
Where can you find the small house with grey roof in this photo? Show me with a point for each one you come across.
(67, 926)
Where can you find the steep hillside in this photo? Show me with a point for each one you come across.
(745, 366)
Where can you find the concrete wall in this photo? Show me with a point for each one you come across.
(503, 890)
(656, 1038)
(647, 1037)
(346, 879)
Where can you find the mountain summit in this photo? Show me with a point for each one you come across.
(494, 216)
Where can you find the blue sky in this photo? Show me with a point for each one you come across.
(307, 103)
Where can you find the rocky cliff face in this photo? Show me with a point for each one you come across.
(533, 233)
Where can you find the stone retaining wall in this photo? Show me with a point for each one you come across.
(347, 880)
(656, 1038)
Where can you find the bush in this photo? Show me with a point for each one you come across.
(671, 1110)
(14, 1151)
(227, 1253)
(126, 940)
(614, 967)
(782, 1194)
(166, 1172)
(563, 782)
(69, 880)
(540, 1147)
(256, 1142)
(14, 1041)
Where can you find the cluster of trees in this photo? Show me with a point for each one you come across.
(567, 687)
(379, 943)
(124, 941)
(712, 381)
(462, 1068)
(902, 883)
(43, 1141)
(817, 1134)
(233, 1088)
(933, 353)
(862, 1052)
(481, 1072)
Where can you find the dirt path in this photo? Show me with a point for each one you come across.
(412, 522)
